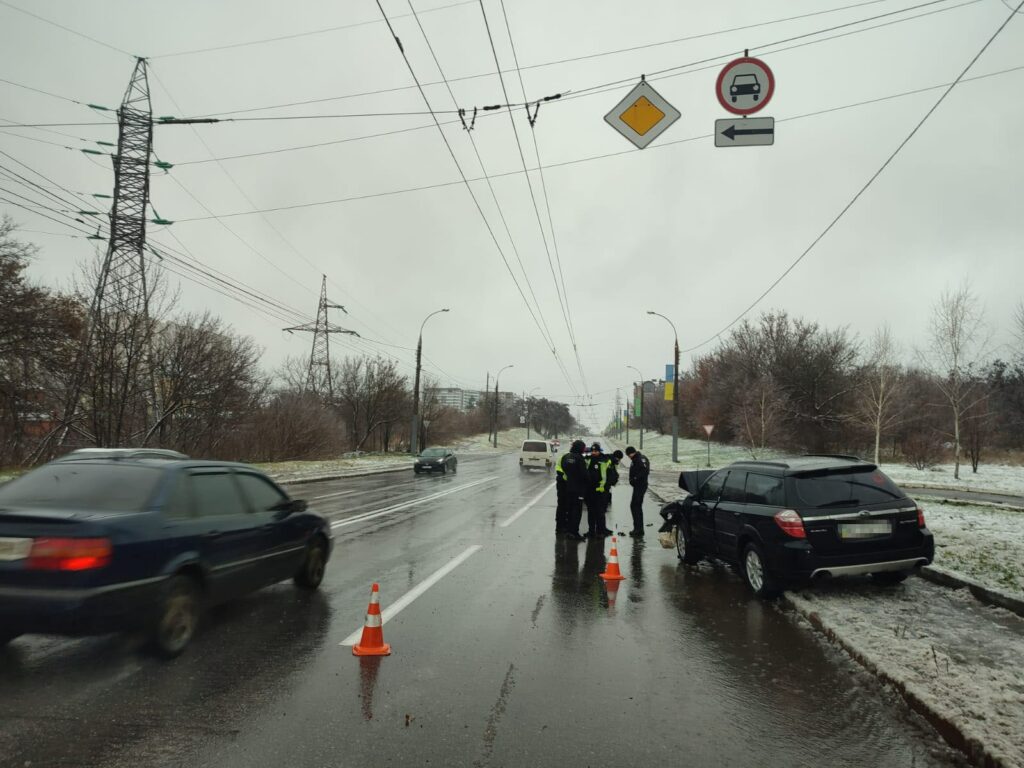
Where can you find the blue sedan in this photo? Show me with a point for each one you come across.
(97, 545)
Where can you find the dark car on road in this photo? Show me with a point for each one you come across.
(97, 545)
(436, 460)
(790, 521)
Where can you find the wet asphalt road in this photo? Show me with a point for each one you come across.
(516, 656)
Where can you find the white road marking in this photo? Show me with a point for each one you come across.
(530, 504)
(396, 607)
(405, 505)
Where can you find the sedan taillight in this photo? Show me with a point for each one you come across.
(69, 554)
(791, 523)
(920, 517)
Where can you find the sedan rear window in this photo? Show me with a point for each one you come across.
(841, 489)
(80, 485)
(535, 446)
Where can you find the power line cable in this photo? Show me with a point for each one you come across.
(570, 95)
(308, 33)
(287, 241)
(66, 29)
(865, 186)
(548, 63)
(589, 158)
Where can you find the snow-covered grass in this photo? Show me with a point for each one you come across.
(943, 649)
(289, 471)
(508, 440)
(984, 544)
(693, 454)
(1000, 478)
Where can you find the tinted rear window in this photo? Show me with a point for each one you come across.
(535, 446)
(839, 489)
(79, 485)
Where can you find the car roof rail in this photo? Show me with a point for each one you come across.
(763, 463)
(832, 456)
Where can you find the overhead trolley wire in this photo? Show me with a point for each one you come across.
(835, 220)
(603, 156)
(549, 338)
(465, 181)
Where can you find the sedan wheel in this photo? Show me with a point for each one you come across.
(178, 617)
(756, 573)
(311, 573)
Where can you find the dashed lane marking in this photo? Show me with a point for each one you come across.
(405, 505)
(529, 505)
(405, 600)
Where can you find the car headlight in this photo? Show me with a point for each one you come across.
(732, 89)
(757, 87)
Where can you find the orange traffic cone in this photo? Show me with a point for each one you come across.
(612, 572)
(372, 642)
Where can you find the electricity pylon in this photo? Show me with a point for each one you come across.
(115, 349)
(318, 377)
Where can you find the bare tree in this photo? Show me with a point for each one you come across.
(760, 414)
(881, 383)
(957, 344)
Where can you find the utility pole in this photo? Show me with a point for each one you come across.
(497, 376)
(675, 388)
(118, 334)
(414, 440)
(318, 376)
(487, 405)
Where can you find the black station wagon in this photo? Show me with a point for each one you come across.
(790, 521)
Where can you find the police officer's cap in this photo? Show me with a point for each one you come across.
(595, 447)
(578, 446)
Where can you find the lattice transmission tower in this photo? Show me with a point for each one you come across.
(318, 377)
(110, 373)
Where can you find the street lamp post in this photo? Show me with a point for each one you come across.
(414, 438)
(638, 373)
(496, 403)
(675, 389)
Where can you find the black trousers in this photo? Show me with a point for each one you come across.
(636, 506)
(573, 511)
(561, 508)
(597, 505)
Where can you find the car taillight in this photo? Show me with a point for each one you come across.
(920, 517)
(791, 523)
(69, 554)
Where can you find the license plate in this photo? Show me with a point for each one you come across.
(15, 549)
(864, 530)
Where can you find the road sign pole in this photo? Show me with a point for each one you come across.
(709, 451)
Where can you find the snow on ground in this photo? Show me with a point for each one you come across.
(290, 471)
(1001, 478)
(959, 658)
(984, 544)
(508, 440)
(693, 454)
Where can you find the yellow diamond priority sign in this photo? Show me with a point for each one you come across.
(642, 116)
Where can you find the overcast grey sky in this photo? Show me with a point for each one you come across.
(681, 227)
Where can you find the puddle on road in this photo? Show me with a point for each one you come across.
(744, 667)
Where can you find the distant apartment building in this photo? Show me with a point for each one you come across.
(465, 399)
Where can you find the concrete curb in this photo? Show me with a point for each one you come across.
(975, 751)
(336, 476)
(987, 595)
(927, 485)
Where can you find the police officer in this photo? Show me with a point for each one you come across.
(639, 472)
(597, 495)
(572, 483)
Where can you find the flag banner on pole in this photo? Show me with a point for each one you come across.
(669, 372)
(669, 388)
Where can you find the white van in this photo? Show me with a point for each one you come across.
(535, 454)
